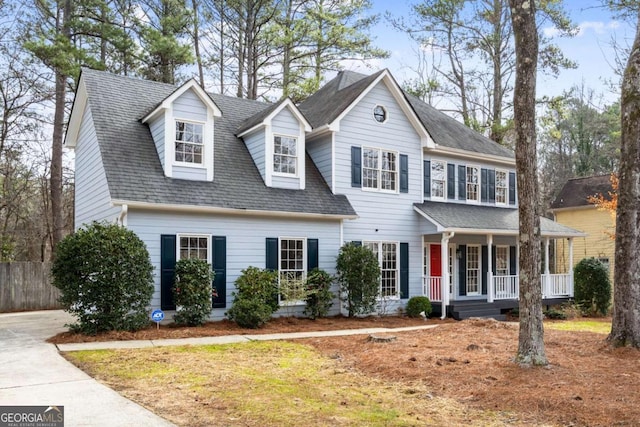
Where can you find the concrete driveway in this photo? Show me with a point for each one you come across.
(32, 372)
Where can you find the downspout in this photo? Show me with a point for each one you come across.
(444, 287)
(122, 218)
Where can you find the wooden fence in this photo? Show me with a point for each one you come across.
(27, 286)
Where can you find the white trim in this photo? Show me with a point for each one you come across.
(77, 115)
(204, 143)
(478, 184)
(386, 114)
(397, 296)
(197, 235)
(287, 103)
(268, 155)
(466, 155)
(169, 141)
(304, 267)
(444, 188)
(190, 85)
(122, 218)
(571, 208)
(296, 138)
(479, 271)
(506, 198)
(333, 163)
(229, 211)
(379, 189)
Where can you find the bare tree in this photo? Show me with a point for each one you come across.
(531, 337)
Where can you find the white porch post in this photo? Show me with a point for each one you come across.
(571, 265)
(489, 268)
(547, 275)
(444, 265)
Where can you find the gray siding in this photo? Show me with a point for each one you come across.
(285, 123)
(157, 133)
(382, 216)
(255, 143)
(246, 240)
(192, 173)
(320, 151)
(285, 182)
(92, 200)
(188, 106)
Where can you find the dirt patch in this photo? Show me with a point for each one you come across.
(587, 383)
(225, 327)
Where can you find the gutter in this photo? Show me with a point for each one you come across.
(122, 218)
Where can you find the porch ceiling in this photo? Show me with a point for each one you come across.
(473, 219)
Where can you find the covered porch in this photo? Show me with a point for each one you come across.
(470, 259)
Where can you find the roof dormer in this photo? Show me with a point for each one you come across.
(275, 138)
(182, 127)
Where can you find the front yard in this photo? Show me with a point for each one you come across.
(456, 374)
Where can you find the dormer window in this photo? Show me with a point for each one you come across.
(285, 155)
(380, 114)
(189, 142)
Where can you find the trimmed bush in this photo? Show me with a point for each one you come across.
(255, 299)
(417, 305)
(592, 286)
(319, 297)
(359, 278)
(105, 277)
(192, 291)
(249, 313)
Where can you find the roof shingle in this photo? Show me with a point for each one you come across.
(576, 191)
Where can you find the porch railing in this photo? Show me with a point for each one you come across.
(432, 288)
(553, 286)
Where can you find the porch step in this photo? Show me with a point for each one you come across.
(465, 312)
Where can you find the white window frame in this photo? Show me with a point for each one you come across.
(506, 186)
(379, 243)
(193, 235)
(200, 165)
(477, 270)
(281, 271)
(443, 181)
(296, 157)
(477, 184)
(379, 171)
(507, 270)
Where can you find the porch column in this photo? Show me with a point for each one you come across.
(547, 276)
(444, 265)
(571, 266)
(489, 268)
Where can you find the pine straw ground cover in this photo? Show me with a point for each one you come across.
(459, 373)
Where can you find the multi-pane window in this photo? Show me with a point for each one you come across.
(501, 187)
(379, 169)
(387, 254)
(473, 270)
(194, 247)
(292, 269)
(502, 260)
(438, 178)
(189, 144)
(285, 154)
(473, 183)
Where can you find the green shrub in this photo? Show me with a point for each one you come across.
(105, 277)
(255, 298)
(192, 291)
(592, 286)
(555, 314)
(250, 312)
(358, 273)
(417, 305)
(319, 297)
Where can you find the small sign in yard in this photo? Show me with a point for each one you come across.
(157, 316)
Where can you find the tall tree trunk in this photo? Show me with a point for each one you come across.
(57, 213)
(196, 42)
(531, 337)
(496, 119)
(625, 329)
(222, 36)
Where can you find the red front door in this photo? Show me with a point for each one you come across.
(435, 260)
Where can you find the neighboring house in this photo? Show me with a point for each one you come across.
(572, 209)
(243, 183)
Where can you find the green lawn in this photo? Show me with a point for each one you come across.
(599, 326)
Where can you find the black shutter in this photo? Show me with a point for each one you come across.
(485, 268)
(271, 260)
(427, 178)
(451, 181)
(357, 243)
(356, 167)
(462, 182)
(484, 185)
(404, 270)
(492, 186)
(512, 188)
(512, 260)
(462, 270)
(404, 173)
(219, 265)
(312, 254)
(493, 260)
(167, 271)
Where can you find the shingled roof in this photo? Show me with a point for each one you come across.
(134, 172)
(330, 101)
(576, 191)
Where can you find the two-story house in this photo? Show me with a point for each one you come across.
(282, 186)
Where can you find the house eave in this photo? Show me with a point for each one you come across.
(165, 207)
(455, 152)
(168, 101)
(77, 115)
